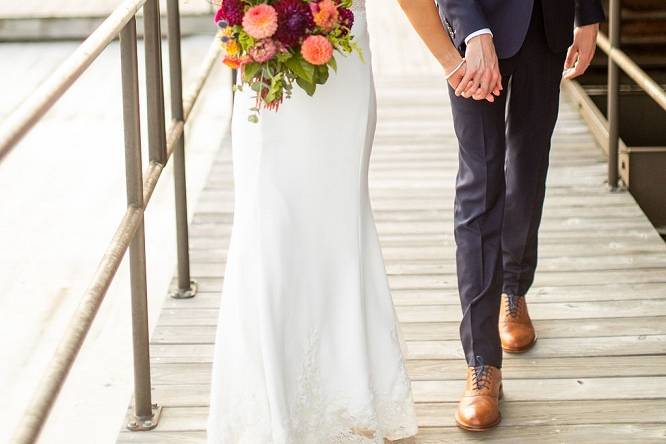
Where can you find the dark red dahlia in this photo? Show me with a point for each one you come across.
(231, 11)
(346, 17)
(294, 21)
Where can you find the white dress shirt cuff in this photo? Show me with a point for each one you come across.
(476, 33)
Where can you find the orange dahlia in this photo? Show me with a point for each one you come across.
(317, 50)
(325, 14)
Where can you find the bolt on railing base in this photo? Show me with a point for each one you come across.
(187, 293)
(143, 424)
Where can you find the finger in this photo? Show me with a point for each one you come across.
(490, 98)
(464, 88)
(485, 83)
(494, 82)
(470, 90)
(469, 75)
(478, 79)
(572, 54)
(575, 72)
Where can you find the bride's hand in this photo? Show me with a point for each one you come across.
(457, 76)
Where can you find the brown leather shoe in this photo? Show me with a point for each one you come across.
(478, 409)
(515, 326)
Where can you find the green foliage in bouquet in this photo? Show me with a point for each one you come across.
(278, 43)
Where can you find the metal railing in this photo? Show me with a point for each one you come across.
(618, 60)
(163, 141)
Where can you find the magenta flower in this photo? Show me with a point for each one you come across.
(231, 11)
(294, 20)
(346, 18)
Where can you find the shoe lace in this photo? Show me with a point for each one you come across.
(513, 306)
(480, 374)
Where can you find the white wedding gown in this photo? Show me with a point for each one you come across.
(308, 349)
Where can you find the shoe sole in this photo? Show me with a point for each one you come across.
(516, 351)
(479, 428)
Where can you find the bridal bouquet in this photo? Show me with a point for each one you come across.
(276, 43)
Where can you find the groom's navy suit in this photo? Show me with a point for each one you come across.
(504, 148)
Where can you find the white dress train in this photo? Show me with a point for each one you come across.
(308, 349)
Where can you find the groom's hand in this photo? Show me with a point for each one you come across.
(457, 77)
(482, 75)
(581, 52)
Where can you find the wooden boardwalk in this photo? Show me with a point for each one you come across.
(598, 372)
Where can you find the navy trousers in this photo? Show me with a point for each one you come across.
(503, 162)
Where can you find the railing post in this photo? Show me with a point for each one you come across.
(154, 82)
(187, 288)
(145, 413)
(613, 95)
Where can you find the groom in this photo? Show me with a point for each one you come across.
(520, 48)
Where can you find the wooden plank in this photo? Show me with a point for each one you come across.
(156, 437)
(448, 281)
(454, 369)
(635, 411)
(606, 433)
(576, 265)
(551, 328)
(551, 347)
(526, 390)
(437, 296)
(427, 331)
(450, 313)
(573, 389)
(549, 368)
(452, 349)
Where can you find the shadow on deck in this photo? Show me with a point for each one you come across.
(598, 372)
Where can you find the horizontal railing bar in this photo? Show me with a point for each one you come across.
(630, 68)
(176, 128)
(47, 94)
(77, 330)
(74, 336)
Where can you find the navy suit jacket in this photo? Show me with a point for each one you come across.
(509, 21)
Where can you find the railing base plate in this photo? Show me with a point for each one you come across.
(187, 293)
(143, 424)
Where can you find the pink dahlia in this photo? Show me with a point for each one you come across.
(317, 50)
(263, 50)
(231, 11)
(294, 20)
(260, 21)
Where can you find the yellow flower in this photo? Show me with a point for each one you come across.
(232, 48)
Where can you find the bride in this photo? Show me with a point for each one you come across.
(308, 349)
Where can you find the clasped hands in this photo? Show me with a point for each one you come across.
(479, 76)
